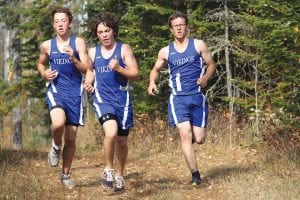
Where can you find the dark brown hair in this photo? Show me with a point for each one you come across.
(62, 10)
(177, 14)
(108, 19)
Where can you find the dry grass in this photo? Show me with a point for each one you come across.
(156, 168)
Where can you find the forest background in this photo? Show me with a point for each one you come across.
(254, 43)
(254, 96)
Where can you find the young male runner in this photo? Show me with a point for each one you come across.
(68, 59)
(188, 108)
(113, 66)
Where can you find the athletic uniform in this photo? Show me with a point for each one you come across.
(111, 98)
(187, 102)
(66, 89)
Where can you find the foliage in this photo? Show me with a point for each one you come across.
(264, 48)
(264, 36)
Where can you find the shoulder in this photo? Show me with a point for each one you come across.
(125, 47)
(126, 50)
(199, 42)
(91, 52)
(46, 43)
(45, 46)
(79, 41)
(200, 45)
(163, 52)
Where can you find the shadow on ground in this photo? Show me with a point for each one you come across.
(223, 172)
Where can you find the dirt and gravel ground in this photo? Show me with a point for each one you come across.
(156, 170)
(150, 174)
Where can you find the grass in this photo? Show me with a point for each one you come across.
(156, 168)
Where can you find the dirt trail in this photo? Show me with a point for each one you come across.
(153, 174)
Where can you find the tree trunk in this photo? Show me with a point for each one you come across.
(12, 73)
(17, 112)
(256, 97)
(17, 134)
(2, 51)
(228, 71)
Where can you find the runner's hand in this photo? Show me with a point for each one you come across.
(114, 64)
(49, 74)
(88, 86)
(202, 82)
(152, 89)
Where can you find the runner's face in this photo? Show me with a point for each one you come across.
(179, 27)
(105, 35)
(61, 23)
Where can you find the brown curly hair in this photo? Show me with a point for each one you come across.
(108, 19)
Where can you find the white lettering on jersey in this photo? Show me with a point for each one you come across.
(183, 61)
(103, 69)
(62, 61)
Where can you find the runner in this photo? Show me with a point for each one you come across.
(188, 108)
(68, 59)
(113, 66)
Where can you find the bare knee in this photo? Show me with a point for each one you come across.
(57, 125)
(58, 118)
(185, 138)
(110, 137)
(185, 135)
(185, 131)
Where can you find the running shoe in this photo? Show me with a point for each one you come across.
(53, 157)
(120, 182)
(67, 181)
(196, 179)
(108, 179)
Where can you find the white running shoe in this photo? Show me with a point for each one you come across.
(120, 182)
(53, 157)
(108, 179)
(67, 181)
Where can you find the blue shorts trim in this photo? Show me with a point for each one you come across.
(110, 116)
(124, 115)
(193, 108)
(72, 107)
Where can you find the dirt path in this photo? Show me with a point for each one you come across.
(153, 174)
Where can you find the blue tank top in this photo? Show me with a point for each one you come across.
(185, 68)
(110, 86)
(68, 83)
